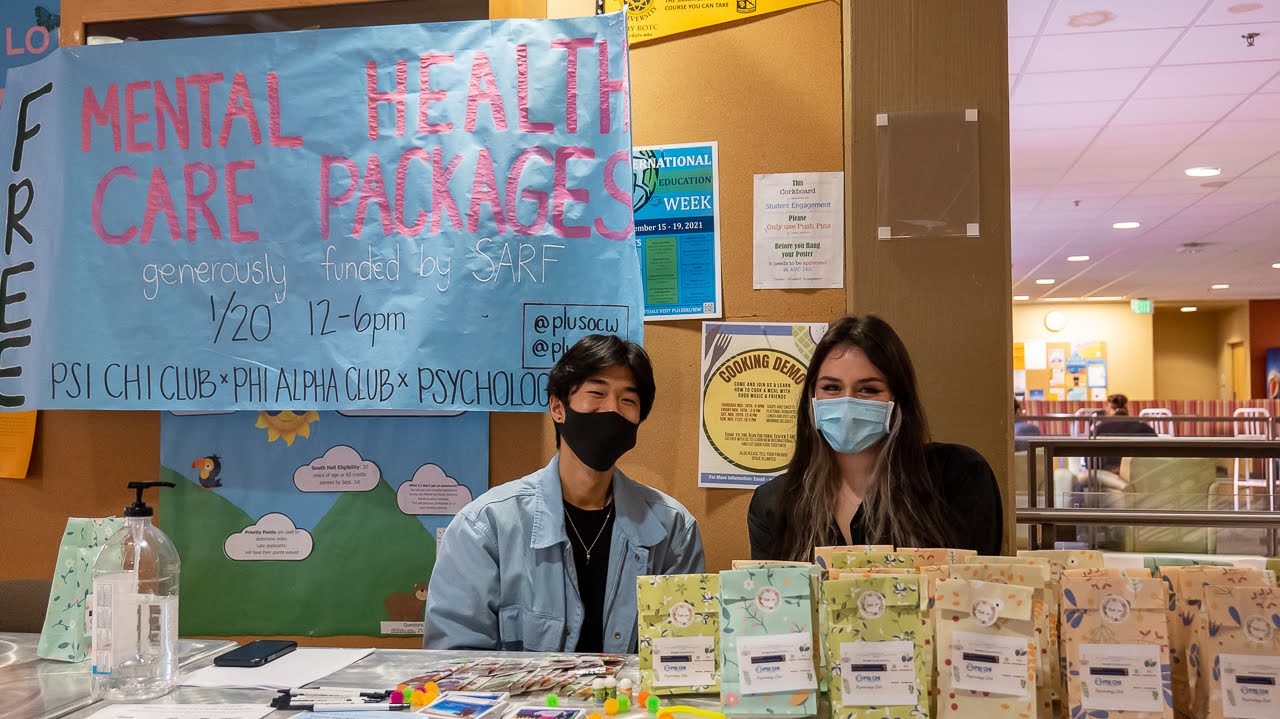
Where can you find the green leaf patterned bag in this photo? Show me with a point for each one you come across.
(66, 627)
(679, 630)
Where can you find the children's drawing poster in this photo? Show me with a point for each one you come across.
(313, 523)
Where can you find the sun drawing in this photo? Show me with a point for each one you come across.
(287, 424)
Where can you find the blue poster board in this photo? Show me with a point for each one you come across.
(30, 32)
(418, 217)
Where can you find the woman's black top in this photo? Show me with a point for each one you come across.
(965, 484)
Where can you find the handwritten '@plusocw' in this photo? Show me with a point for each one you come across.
(375, 217)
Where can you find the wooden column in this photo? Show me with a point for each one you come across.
(948, 298)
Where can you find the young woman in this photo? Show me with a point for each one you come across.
(864, 470)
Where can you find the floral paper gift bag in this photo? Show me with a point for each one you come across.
(878, 646)
(932, 557)
(679, 630)
(822, 555)
(1243, 652)
(1033, 573)
(1193, 583)
(863, 560)
(767, 649)
(65, 636)
(986, 650)
(1116, 642)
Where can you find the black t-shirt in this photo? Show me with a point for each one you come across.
(965, 484)
(592, 575)
(1123, 427)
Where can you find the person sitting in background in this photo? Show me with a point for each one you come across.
(1022, 428)
(1118, 406)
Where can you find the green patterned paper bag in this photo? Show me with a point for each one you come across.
(879, 646)
(65, 636)
(679, 630)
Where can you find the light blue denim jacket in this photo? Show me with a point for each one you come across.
(504, 578)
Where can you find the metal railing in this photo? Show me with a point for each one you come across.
(1042, 521)
(1092, 420)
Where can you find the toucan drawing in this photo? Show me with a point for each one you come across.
(210, 470)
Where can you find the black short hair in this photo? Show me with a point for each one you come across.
(595, 353)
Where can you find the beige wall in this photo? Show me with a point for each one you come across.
(1186, 354)
(1130, 355)
(1233, 327)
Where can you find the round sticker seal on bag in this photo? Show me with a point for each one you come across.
(871, 605)
(769, 599)
(1115, 609)
(681, 614)
(1257, 629)
(986, 611)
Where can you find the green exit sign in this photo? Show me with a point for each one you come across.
(1142, 307)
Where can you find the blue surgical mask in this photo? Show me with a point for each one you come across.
(852, 425)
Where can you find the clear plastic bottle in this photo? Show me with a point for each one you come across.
(134, 605)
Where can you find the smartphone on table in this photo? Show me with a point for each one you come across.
(256, 653)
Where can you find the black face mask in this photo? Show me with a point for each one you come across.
(598, 438)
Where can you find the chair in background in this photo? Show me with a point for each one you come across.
(23, 604)
(1251, 423)
(1163, 428)
(1162, 483)
(1082, 427)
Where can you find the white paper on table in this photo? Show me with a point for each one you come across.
(183, 711)
(302, 666)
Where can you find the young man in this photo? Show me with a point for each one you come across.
(549, 562)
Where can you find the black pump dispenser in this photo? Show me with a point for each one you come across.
(140, 508)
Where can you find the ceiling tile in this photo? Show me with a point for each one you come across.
(1025, 17)
(1274, 85)
(1224, 44)
(1025, 177)
(1106, 174)
(1075, 138)
(1018, 49)
(1082, 86)
(1091, 192)
(1062, 115)
(1233, 158)
(1154, 111)
(1225, 12)
(1187, 189)
(1042, 159)
(1262, 135)
(1240, 78)
(1173, 136)
(1267, 168)
(1096, 51)
(1084, 16)
(1259, 107)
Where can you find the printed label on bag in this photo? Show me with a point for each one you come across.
(681, 614)
(1121, 677)
(1250, 686)
(878, 674)
(991, 663)
(684, 661)
(776, 663)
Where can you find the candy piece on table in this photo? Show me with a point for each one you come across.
(418, 698)
(610, 688)
(653, 704)
(611, 707)
(397, 697)
(642, 699)
(624, 703)
(625, 687)
(431, 691)
(595, 715)
(553, 700)
(598, 690)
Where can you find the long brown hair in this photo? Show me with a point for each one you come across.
(901, 506)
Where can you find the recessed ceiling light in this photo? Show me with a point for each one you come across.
(1021, 298)
(1188, 309)
(1275, 265)
(1044, 282)
(1078, 258)
(1220, 287)
(1203, 171)
(1126, 225)
(1104, 298)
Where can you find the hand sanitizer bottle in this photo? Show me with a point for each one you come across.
(134, 605)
